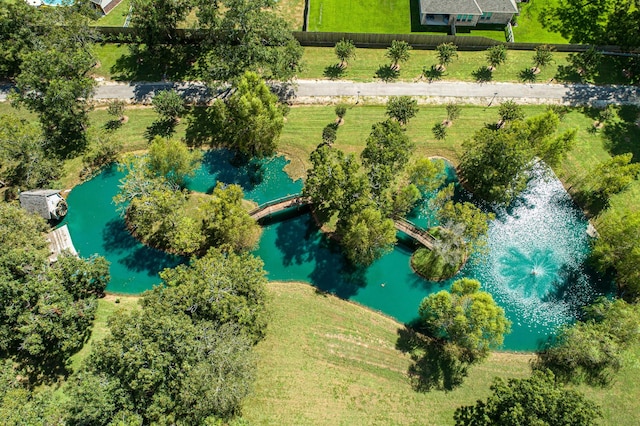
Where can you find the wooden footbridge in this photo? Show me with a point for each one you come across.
(290, 201)
(278, 205)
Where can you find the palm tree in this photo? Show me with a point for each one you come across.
(345, 50)
(398, 52)
(496, 55)
(446, 52)
(542, 57)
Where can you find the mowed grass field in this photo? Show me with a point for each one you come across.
(326, 361)
(360, 16)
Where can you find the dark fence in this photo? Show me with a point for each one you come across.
(363, 40)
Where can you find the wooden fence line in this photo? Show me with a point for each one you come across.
(363, 40)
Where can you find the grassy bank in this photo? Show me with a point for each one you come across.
(328, 361)
(303, 130)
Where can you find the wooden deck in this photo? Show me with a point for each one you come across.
(59, 241)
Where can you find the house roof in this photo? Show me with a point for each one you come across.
(41, 192)
(467, 7)
(498, 6)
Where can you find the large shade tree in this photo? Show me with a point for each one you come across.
(466, 317)
(537, 400)
(55, 81)
(246, 35)
(251, 119)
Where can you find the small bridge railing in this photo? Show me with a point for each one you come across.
(415, 228)
(273, 203)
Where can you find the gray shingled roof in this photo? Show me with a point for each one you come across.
(455, 7)
(467, 7)
(498, 6)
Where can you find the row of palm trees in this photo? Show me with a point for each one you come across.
(399, 52)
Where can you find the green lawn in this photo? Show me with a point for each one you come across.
(529, 28)
(116, 17)
(359, 16)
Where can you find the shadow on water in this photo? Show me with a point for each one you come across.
(299, 242)
(139, 258)
(224, 164)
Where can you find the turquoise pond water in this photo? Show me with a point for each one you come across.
(534, 267)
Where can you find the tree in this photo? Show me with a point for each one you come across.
(542, 57)
(537, 400)
(155, 368)
(226, 222)
(156, 21)
(466, 317)
(387, 152)
(586, 63)
(252, 117)
(594, 22)
(218, 288)
(334, 183)
(592, 350)
(439, 131)
(446, 53)
(494, 165)
(453, 112)
(616, 249)
(46, 312)
(366, 236)
(398, 52)
(116, 109)
(427, 174)
(329, 134)
(55, 82)
(345, 50)
(474, 222)
(402, 108)
(510, 111)
(612, 176)
(26, 165)
(169, 104)
(496, 55)
(263, 43)
(20, 27)
(341, 111)
(172, 160)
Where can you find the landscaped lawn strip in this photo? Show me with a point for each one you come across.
(529, 28)
(360, 16)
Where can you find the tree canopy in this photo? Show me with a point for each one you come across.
(537, 400)
(466, 317)
(46, 312)
(251, 119)
(402, 108)
(172, 160)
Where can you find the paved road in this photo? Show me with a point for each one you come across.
(318, 91)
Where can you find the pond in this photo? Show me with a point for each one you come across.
(534, 265)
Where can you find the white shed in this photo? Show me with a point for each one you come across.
(48, 203)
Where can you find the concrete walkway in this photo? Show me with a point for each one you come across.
(326, 91)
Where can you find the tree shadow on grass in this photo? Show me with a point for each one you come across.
(201, 128)
(435, 365)
(432, 73)
(622, 136)
(527, 75)
(141, 64)
(112, 125)
(164, 128)
(482, 75)
(334, 72)
(387, 73)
